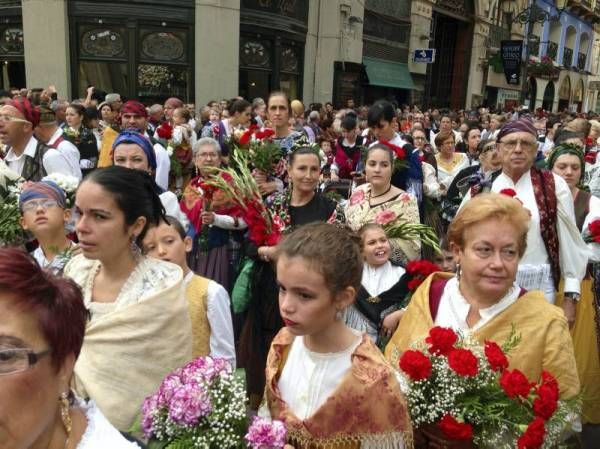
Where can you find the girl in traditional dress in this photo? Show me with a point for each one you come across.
(320, 372)
(377, 308)
(378, 201)
(567, 161)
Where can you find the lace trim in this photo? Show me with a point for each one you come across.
(301, 439)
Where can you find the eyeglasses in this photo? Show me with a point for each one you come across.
(208, 155)
(512, 144)
(418, 138)
(33, 205)
(19, 359)
(11, 118)
(488, 148)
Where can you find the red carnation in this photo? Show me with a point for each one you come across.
(164, 131)
(550, 381)
(533, 437)
(441, 340)
(463, 362)
(495, 356)
(514, 383)
(594, 229)
(508, 192)
(590, 157)
(544, 405)
(455, 429)
(265, 134)
(248, 134)
(415, 364)
(421, 267)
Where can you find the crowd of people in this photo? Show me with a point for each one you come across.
(148, 267)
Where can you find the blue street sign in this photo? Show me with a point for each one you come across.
(426, 55)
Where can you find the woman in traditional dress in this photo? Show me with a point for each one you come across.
(567, 161)
(83, 138)
(299, 205)
(377, 308)
(449, 161)
(41, 333)
(347, 149)
(488, 237)
(378, 201)
(216, 220)
(329, 384)
(139, 328)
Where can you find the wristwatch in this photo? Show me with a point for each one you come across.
(572, 296)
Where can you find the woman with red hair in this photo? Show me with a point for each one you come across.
(41, 333)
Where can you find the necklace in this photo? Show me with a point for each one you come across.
(381, 194)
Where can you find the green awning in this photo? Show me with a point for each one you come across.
(388, 74)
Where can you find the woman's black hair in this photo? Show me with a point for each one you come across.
(135, 193)
(301, 151)
(90, 114)
(237, 105)
(80, 109)
(381, 110)
(382, 147)
(349, 122)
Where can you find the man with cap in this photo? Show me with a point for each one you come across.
(49, 133)
(555, 248)
(134, 115)
(25, 155)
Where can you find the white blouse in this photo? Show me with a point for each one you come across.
(454, 308)
(99, 433)
(309, 378)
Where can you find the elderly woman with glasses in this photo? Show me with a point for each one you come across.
(554, 246)
(41, 334)
(216, 220)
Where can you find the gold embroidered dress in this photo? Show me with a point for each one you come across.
(366, 409)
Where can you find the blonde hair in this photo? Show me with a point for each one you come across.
(595, 125)
(486, 206)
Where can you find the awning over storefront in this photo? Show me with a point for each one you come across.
(388, 74)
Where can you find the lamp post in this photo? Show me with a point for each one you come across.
(528, 17)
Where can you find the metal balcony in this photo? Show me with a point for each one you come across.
(567, 57)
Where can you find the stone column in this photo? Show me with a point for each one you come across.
(478, 55)
(217, 48)
(46, 42)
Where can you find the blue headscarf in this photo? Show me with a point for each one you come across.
(42, 190)
(133, 136)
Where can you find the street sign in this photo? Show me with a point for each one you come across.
(426, 55)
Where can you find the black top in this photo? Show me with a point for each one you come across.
(319, 208)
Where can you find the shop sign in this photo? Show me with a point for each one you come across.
(511, 52)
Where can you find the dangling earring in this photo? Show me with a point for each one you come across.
(458, 271)
(134, 247)
(65, 414)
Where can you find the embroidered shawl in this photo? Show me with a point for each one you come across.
(367, 409)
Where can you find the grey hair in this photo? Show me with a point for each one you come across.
(156, 108)
(207, 141)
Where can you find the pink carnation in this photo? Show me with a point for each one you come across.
(385, 217)
(188, 404)
(357, 197)
(204, 368)
(264, 434)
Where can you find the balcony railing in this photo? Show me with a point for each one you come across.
(567, 57)
(498, 34)
(552, 50)
(581, 60)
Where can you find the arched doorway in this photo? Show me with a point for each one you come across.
(531, 93)
(578, 96)
(570, 38)
(447, 77)
(548, 101)
(564, 94)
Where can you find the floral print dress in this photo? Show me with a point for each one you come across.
(401, 208)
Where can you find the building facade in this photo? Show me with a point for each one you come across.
(315, 50)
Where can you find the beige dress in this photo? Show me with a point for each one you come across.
(131, 344)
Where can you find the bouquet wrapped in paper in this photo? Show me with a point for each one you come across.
(464, 393)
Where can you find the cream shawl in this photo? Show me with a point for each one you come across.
(128, 351)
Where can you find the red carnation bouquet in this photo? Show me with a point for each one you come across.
(466, 393)
(592, 234)
(262, 153)
(240, 187)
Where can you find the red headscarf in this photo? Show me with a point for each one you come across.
(134, 107)
(29, 112)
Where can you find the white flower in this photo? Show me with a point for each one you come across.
(169, 150)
